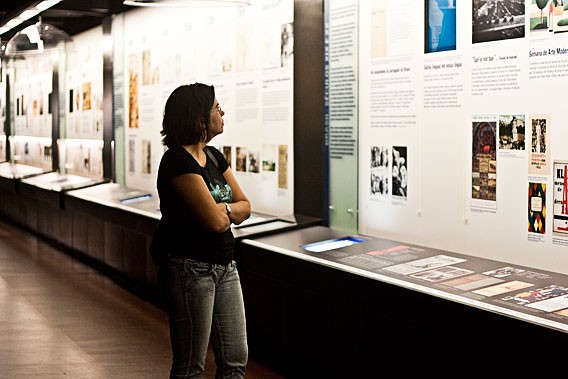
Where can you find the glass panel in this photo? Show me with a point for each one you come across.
(341, 97)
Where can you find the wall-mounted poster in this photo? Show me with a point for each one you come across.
(283, 166)
(497, 20)
(560, 199)
(379, 172)
(484, 161)
(512, 132)
(254, 161)
(539, 16)
(559, 16)
(287, 45)
(440, 25)
(399, 172)
(87, 96)
(131, 155)
(241, 165)
(539, 144)
(537, 208)
(146, 163)
(133, 111)
(268, 158)
(227, 152)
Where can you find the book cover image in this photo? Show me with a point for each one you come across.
(537, 208)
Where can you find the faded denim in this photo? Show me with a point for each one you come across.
(205, 303)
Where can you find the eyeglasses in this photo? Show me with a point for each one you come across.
(218, 109)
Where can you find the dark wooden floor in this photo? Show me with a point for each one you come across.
(62, 319)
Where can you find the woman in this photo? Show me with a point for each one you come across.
(199, 199)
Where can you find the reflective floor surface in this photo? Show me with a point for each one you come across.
(62, 319)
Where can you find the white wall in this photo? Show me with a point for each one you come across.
(238, 51)
(429, 103)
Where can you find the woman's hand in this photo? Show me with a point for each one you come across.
(195, 194)
(240, 207)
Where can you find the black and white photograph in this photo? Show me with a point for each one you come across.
(241, 159)
(399, 172)
(287, 45)
(379, 171)
(512, 132)
(495, 20)
(254, 161)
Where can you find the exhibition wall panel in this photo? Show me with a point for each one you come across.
(247, 54)
(460, 128)
(82, 121)
(32, 124)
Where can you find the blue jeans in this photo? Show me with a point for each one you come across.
(205, 303)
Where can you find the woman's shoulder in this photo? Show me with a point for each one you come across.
(176, 160)
(175, 153)
(174, 150)
(219, 157)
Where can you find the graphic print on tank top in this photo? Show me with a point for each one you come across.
(222, 193)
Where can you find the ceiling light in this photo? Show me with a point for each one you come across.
(14, 22)
(34, 39)
(187, 3)
(46, 4)
(27, 14)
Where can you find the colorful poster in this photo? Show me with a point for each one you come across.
(484, 160)
(440, 18)
(537, 208)
(539, 139)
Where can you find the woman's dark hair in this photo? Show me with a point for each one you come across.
(187, 114)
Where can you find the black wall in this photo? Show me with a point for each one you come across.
(310, 161)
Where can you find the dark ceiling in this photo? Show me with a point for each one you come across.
(71, 16)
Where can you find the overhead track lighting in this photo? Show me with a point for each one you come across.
(187, 3)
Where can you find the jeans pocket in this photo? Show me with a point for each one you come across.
(197, 268)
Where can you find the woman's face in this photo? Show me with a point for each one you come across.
(216, 122)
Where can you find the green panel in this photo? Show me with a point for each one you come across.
(343, 198)
(342, 32)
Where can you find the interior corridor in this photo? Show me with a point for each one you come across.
(62, 319)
